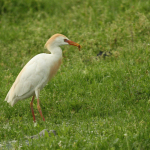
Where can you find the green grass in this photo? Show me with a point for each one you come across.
(93, 102)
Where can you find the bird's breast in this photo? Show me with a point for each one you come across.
(54, 68)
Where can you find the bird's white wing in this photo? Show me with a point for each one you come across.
(30, 76)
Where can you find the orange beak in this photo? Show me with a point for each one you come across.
(73, 43)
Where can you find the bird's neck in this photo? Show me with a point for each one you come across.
(55, 50)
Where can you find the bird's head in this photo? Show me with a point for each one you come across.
(58, 40)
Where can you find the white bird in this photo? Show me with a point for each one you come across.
(37, 72)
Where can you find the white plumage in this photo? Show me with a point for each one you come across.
(37, 72)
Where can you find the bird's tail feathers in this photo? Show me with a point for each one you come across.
(10, 99)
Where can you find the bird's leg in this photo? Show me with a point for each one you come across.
(31, 105)
(39, 109)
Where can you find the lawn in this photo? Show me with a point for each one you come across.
(93, 102)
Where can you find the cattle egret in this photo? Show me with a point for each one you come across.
(37, 72)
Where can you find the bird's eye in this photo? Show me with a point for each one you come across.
(65, 40)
